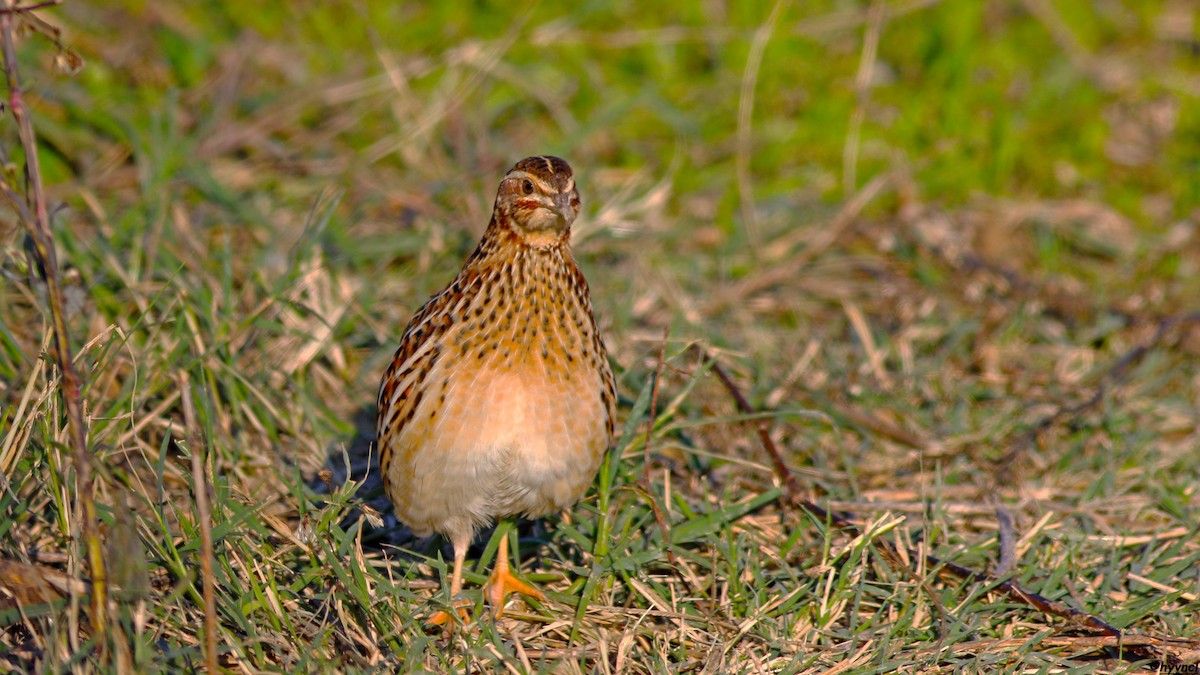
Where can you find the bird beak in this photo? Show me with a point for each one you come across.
(562, 205)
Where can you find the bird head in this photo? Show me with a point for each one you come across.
(538, 199)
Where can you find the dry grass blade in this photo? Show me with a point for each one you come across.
(862, 88)
(204, 515)
(1185, 649)
(24, 584)
(37, 224)
(745, 114)
(659, 517)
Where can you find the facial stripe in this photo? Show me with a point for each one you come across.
(525, 175)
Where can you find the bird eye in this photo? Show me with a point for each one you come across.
(527, 186)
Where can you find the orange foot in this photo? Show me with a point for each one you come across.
(503, 582)
(447, 620)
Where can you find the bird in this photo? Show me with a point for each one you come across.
(500, 400)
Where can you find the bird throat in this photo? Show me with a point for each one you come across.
(542, 239)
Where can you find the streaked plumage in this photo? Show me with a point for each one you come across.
(500, 401)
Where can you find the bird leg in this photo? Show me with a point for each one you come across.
(502, 582)
(442, 617)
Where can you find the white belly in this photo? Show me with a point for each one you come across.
(501, 445)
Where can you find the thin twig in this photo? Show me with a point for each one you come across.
(897, 557)
(1006, 535)
(204, 515)
(30, 8)
(791, 486)
(37, 223)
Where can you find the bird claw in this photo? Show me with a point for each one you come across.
(448, 621)
(502, 583)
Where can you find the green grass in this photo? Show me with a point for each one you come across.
(258, 197)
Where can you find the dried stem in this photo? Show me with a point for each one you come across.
(862, 89)
(29, 8)
(745, 114)
(659, 516)
(204, 515)
(791, 487)
(37, 223)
